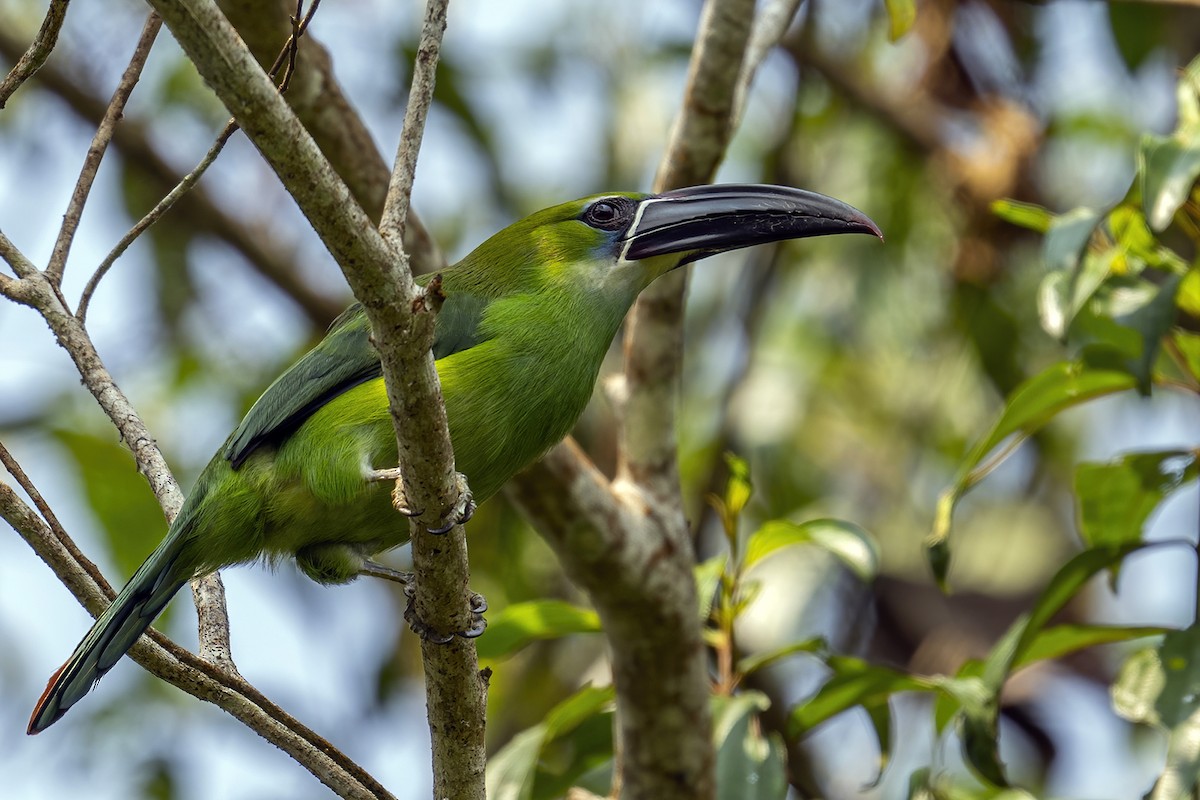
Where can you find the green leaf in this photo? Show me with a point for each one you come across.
(1064, 293)
(512, 772)
(1138, 686)
(1031, 405)
(1168, 166)
(1025, 215)
(1188, 297)
(1066, 238)
(949, 703)
(1126, 321)
(850, 543)
(120, 498)
(880, 715)
(1162, 687)
(1188, 345)
(739, 488)
(1065, 584)
(749, 765)
(1115, 498)
(523, 623)
(1062, 640)
(708, 577)
(980, 716)
(854, 683)
(751, 664)
(901, 14)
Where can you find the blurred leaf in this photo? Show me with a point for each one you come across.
(980, 713)
(1066, 583)
(1169, 166)
(1062, 640)
(1064, 293)
(1140, 248)
(1188, 298)
(708, 576)
(739, 488)
(1170, 171)
(850, 543)
(749, 765)
(854, 683)
(1031, 405)
(947, 704)
(1188, 345)
(1066, 238)
(582, 754)
(523, 623)
(1137, 687)
(512, 772)
(120, 498)
(1139, 29)
(880, 715)
(1162, 687)
(901, 15)
(750, 664)
(1116, 498)
(1129, 317)
(1025, 215)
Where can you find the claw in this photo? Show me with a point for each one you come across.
(398, 499)
(426, 632)
(463, 509)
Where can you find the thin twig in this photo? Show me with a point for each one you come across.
(154, 215)
(24, 481)
(95, 154)
(175, 665)
(274, 261)
(190, 180)
(395, 205)
(37, 53)
(16, 259)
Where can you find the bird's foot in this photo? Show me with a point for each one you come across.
(463, 509)
(425, 631)
(375, 570)
(398, 499)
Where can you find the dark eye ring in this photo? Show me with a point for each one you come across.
(603, 212)
(609, 213)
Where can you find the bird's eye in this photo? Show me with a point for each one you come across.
(609, 214)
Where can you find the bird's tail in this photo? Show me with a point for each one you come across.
(130, 614)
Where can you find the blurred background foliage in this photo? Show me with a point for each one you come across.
(852, 378)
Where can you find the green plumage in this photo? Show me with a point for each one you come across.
(527, 320)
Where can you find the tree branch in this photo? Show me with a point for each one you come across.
(33, 58)
(402, 319)
(654, 340)
(274, 262)
(95, 153)
(335, 124)
(456, 692)
(627, 544)
(199, 678)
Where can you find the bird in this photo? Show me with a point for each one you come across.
(526, 321)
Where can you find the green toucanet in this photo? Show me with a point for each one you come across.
(527, 319)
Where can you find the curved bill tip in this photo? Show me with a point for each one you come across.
(703, 220)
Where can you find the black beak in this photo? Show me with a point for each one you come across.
(703, 220)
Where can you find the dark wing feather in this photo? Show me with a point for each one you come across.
(342, 360)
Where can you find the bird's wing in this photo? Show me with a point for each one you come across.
(342, 360)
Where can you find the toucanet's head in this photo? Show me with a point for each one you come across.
(624, 239)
